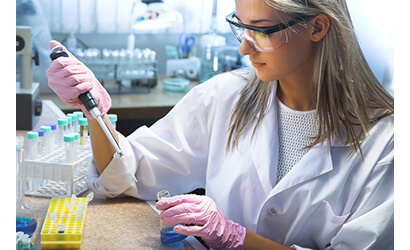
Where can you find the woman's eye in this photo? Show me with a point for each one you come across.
(260, 35)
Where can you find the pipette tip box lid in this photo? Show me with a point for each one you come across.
(71, 238)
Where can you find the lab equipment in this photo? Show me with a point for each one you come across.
(122, 71)
(91, 106)
(40, 140)
(176, 84)
(83, 122)
(28, 103)
(53, 127)
(51, 238)
(113, 119)
(23, 241)
(32, 145)
(70, 148)
(48, 142)
(74, 122)
(212, 46)
(211, 50)
(69, 124)
(168, 236)
(62, 130)
(25, 219)
(186, 43)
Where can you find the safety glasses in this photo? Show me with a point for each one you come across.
(264, 39)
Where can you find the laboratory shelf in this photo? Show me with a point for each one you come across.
(73, 229)
(51, 176)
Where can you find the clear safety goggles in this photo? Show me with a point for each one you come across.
(264, 39)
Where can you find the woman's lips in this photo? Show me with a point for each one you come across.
(258, 65)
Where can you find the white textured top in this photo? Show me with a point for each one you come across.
(295, 133)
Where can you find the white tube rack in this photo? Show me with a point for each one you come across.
(51, 176)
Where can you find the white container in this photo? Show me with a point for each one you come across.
(48, 141)
(61, 131)
(113, 119)
(70, 148)
(32, 145)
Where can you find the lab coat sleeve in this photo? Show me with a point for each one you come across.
(172, 154)
(371, 221)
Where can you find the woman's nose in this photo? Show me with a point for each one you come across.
(246, 48)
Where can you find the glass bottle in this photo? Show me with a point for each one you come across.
(168, 236)
(25, 219)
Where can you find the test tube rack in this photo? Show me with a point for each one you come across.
(51, 176)
(71, 238)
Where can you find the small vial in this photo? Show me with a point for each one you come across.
(168, 236)
(32, 145)
(48, 142)
(62, 130)
(70, 124)
(83, 131)
(70, 148)
(40, 140)
(74, 122)
(53, 132)
(113, 118)
(79, 114)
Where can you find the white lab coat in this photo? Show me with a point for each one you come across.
(326, 201)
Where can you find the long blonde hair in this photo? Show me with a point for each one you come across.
(347, 95)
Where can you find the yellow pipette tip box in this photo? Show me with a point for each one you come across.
(51, 238)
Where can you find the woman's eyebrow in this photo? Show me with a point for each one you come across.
(255, 21)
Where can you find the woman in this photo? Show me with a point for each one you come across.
(295, 152)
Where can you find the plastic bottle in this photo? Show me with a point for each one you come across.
(113, 118)
(83, 131)
(69, 124)
(70, 148)
(40, 140)
(53, 132)
(73, 122)
(32, 145)
(48, 142)
(62, 130)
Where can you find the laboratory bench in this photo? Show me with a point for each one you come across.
(153, 105)
(119, 223)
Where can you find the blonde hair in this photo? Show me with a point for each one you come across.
(347, 95)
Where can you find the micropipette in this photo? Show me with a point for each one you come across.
(91, 106)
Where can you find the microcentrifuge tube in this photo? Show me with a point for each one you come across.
(32, 145)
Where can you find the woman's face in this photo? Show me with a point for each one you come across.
(295, 58)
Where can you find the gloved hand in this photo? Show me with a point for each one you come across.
(69, 78)
(217, 231)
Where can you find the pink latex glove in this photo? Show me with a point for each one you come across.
(217, 231)
(69, 78)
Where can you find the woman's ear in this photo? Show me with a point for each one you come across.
(321, 25)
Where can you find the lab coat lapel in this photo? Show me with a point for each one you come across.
(264, 146)
(316, 162)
